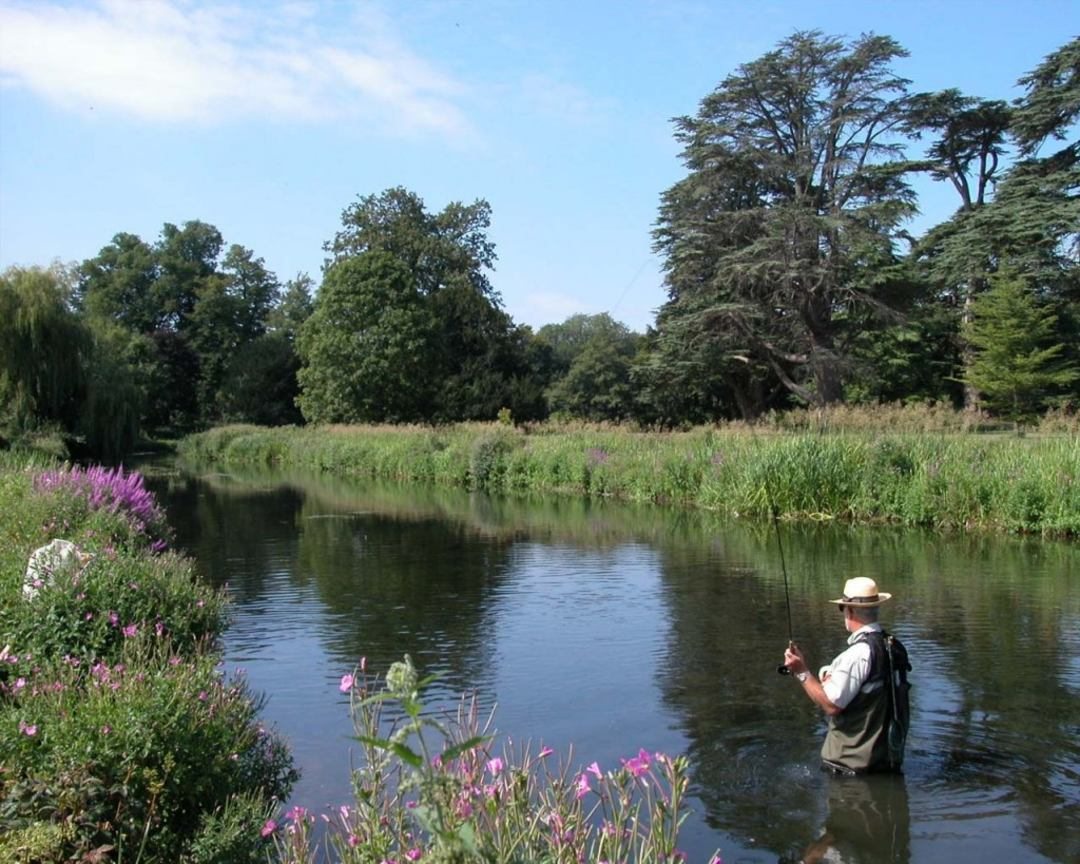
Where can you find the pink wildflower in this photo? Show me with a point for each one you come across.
(545, 752)
(269, 827)
(495, 766)
(354, 841)
(594, 769)
(131, 630)
(106, 729)
(114, 619)
(28, 729)
(297, 814)
(639, 764)
(414, 854)
(346, 683)
(581, 787)
(159, 629)
(18, 685)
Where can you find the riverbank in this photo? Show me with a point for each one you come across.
(120, 738)
(946, 480)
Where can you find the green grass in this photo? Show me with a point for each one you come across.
(943, 480)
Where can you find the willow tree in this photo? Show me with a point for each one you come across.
(776, 242)
(42, 350)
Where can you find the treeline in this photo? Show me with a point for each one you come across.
(791, 281)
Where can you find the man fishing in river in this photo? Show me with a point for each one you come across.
(863, 691)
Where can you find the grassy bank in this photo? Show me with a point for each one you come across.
(120, 738)
(942, 479)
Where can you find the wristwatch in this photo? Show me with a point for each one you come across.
(802, 676)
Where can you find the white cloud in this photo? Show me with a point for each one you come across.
(184, 61)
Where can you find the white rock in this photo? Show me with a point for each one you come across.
(46, 563)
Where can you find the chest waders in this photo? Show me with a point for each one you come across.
(870, 733)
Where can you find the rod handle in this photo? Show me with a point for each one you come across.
(782, 669)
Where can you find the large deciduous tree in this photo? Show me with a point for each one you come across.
(775, 242)
(364, 348)
(197, 309)
(473, 355)
(596, 353)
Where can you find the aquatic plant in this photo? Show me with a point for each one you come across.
(435, 790)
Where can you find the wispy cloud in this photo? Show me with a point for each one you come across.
(182, 61)
(551, 97)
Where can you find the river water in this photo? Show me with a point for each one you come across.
(607, 628)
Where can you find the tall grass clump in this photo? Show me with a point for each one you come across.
(437, 790)
(120, 738)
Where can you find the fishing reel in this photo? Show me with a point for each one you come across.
(782, 669)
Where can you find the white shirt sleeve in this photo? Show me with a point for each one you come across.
(843, 678)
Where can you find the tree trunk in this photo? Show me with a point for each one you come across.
(971, 395)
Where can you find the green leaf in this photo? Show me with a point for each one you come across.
(464, 747)
(402, 751)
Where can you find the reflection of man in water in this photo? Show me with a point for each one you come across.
(868, 822)
(854, 690)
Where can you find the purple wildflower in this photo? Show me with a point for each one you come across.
(111, 490)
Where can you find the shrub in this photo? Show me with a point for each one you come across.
(132, 754)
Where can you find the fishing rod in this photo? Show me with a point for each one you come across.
(781, 668)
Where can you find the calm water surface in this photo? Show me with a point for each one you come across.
(608, 628)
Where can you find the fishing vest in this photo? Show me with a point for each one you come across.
(868, 735)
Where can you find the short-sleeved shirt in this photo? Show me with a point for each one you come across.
(845, 676)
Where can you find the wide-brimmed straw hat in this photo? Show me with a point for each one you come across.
(862, 591)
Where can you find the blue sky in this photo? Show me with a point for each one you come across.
(267, 119)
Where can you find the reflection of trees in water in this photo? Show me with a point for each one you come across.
(393, 586)
(992, 624)
(390, 584)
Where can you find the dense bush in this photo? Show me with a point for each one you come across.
(120, 739)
